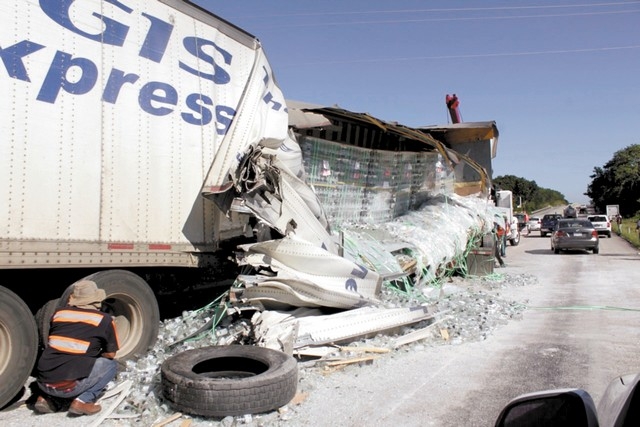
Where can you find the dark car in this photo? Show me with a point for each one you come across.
(570, 212)
(548, 223)
(575, 233)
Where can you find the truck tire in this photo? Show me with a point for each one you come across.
(18, 344)
(43, 321)
(229, 380)
(132, 303)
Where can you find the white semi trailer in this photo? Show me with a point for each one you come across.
(116, 116)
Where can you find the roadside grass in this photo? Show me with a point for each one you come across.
(628, 231)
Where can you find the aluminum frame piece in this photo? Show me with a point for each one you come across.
(308, 327)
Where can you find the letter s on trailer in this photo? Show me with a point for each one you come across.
(114, 114)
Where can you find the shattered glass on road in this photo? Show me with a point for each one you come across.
(471, 309)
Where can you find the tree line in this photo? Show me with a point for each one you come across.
(615, 183)
(527, 195)
(618, 182)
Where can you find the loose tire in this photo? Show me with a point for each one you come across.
(229, 380)
(18, 344)
(134, 306)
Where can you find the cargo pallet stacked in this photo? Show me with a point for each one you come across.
(357, 185)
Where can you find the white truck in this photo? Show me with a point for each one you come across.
(117, 116)
(612, 212)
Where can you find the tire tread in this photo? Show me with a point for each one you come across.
(214, 397)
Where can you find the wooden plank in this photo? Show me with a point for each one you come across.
(417, 335)
(366, 349)
(354, 360)
(166, 421)
(122, 391)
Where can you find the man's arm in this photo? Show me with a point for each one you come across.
(110, 355)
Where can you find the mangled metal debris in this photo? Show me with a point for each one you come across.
(290, 272)
(370, 278)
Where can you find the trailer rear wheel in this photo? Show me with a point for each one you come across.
(18, 344)
(134, 307)
(229, 380)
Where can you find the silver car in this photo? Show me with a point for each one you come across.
(575, 233)
(534, 224)
(601, 223)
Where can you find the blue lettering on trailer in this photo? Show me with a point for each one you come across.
(56, 78)
(117, 78)
(154, 97)
(12, 58)
(193, 45)
(155, 44)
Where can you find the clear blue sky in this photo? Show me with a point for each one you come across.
(561, 78)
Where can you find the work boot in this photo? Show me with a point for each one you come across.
(78, 407)
(45, 405)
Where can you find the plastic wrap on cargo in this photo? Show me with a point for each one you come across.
(437, 233)
(357, 185)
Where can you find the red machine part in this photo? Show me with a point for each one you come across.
(452, 105)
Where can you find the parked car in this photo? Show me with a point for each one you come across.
(534, 224)
(601, 223)
(548, 223)
(575, 233)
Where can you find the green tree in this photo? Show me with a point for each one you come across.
(618, 182)
(547, 197)
(528, 193)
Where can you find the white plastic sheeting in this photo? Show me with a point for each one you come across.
(305, 275)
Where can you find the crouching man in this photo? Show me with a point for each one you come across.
(78, 361)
